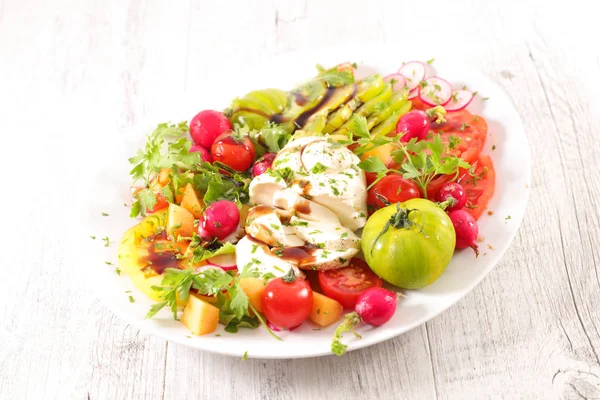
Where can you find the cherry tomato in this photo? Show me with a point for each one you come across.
(393, 189)
(413, 124)
(204, 154)
(263, 164)
(479, 184)
(347, 284)
(236, 152)
(287, 301)
(161, 202)
(206, 126)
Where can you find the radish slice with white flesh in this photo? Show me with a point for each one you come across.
(460, 99)
(414, 72)
(435, 91)
(224, 261)
(399, 82)
(413, 94)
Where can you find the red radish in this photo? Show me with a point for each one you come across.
(399, 82)
(207, 125)
(435, 91)
(263, 164)
(414, 72)
(224, 261)
(375, 306)
(413, 124)
(204, 154)
(453, 193)
(220, 219)
(413, 94)
(460, 99)
(466, 230)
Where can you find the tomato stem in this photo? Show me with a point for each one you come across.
(289, 277)
(399, 220)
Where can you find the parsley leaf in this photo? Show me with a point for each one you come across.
(360, 127)
(427, 159)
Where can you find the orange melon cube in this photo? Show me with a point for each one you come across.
(180, 222)
(254, 289)
(325, 310)
(190, 201)
(199, 316)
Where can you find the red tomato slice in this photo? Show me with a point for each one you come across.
(467, 131)
(479, 185)
(347, 284)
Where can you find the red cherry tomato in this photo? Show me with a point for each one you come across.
(414, 124)
(347, 284)
(206, 126)
(393, 189)
(287, 301)
(236, 152)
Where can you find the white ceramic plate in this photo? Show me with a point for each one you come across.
(511, 159)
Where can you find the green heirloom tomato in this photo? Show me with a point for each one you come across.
(409, 244)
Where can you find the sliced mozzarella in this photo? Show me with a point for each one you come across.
(324, 259)
(289, 199)
(322, 157)
(264, 224)
(343, 194)
(290, 155)
(263, 187)
(324, 236)
(252, 254)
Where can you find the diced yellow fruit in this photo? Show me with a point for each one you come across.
(254, 289)
(325, 311)
(163, 176)
(181, 222)
(190, 201)
(384, 153)
(208, 299)
(199, 316)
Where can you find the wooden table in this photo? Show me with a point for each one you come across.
(73, 73)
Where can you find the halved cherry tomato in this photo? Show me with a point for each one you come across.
(287, 301)
(161, 202)
(463, 133)
(346, 284)
(236, 152)
(479, 184)
(393, 189)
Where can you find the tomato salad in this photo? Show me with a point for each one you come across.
(296, 206)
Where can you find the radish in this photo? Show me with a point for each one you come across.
(414, 72)
(219, 219)
(204, 154)
(224, 261)
(399, 80)
(413, 124)
(453, 195)
(435, 91)
(466, 230)
(413, 94)
(375, 306)
(460, 99)
(263, 164)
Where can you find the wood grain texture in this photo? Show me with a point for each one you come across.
(71, 72)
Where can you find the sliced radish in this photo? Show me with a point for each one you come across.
(224, 261)
(460, 99)
(399, 82)
(413, 94)
(435, 91)
(414, 72)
